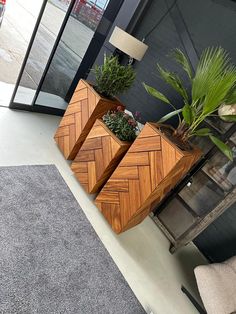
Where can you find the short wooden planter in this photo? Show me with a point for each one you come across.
(150, 169)
(98, 157)
(84, 108)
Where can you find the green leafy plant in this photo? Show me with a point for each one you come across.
(121, 124)
(112, 78)
(212, 84)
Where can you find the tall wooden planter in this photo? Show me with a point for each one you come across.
(84, 108)
(98, 157)
(151, 168)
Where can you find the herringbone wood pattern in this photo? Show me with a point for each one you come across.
(85, 107)
(149, 170)
(98, 157)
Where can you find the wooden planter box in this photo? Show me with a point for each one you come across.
(85, 107)
(98, 157)
(151, 168)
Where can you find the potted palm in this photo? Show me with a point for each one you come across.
(162, 155)
(90, 102)
(104, 147)
(213, 86)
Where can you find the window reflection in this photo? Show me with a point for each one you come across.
(221, 169)
(40, 51)
(202, 195)
(177, 218)
(76, 37)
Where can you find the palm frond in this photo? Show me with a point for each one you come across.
(223, 147)
(188, 113)
(202, 132)
(213, 63)
(218, 90)
(229, 118)
(231, 96)
(180, 58)
(169, 115)
(174, 81)
(155, 93)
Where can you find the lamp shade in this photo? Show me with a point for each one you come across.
(128, 44)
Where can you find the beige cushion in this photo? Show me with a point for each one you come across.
(217, 286)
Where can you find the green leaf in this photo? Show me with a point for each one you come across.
(231, 96)
(169, 115)
(187, 114)
(218, 90)
(229, 118)
(174, 81)
(183, 61)
(112, 78)
(202, 132)
(223, 147)
(214, 78)
(155, 93)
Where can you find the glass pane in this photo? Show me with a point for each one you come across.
(176, 218)
(222, 170)
(202, 195)
(203, 142)
(89, 13)
(72, 47)
(217, 241)
(219, 124)
(233, 138)
(41, 49)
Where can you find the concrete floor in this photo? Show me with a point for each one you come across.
(6, 91)
(15, 33)
(141, 254)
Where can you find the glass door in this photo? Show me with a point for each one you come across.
(44, 38)
(62, 35)
(77, 36)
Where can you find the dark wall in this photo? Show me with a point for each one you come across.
(192, 26)
(123, 19)
(160, 42)
(218, 241)
(211, 23)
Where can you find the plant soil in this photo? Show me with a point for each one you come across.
(169, 133)
(104, 95)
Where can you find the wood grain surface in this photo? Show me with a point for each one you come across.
(150, 169)
(98, 157)
(85, 107)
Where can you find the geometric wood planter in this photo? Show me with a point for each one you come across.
(150, 169)
(85, 107)
(98, 157)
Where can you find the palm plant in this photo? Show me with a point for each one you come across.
(212, 84)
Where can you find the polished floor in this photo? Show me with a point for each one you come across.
(141, 254)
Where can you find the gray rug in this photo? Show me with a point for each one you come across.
(51, 260)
